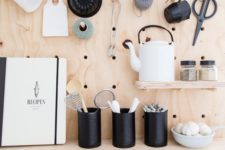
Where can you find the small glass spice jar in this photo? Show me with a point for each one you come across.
(208, 70)
(188, 71)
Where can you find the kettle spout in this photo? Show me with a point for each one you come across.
(134, 60)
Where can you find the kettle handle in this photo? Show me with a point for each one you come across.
(154, 26)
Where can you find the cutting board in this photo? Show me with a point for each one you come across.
(55, 20)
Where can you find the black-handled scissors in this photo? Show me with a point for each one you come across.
(201, 16)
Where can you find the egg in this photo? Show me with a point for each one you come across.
(190, 129)
(178, 128)
(204, 129)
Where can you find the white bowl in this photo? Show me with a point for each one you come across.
(193, 141)
(29, 5)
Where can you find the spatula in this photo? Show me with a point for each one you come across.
(116, 106)
(134, 105)
(55, 20)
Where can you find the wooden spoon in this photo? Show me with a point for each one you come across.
(74, 85)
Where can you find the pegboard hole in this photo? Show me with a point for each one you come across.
(175, 58)
(85, 86)
(83, 28)
(114, 28)
(28, 56)
(173, 29)
(202, 28)
(85, 57)
(114, 86)
(174, 116)
(202, 57)
(1, 43)
(203, 116)
(114, 57)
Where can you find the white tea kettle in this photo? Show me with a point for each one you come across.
(156, 58)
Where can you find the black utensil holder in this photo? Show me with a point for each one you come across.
(123, 128)
(89, 128)
(155, 129)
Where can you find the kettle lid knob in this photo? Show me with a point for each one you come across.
(147, 39)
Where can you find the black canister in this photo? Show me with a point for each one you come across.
(123, 129)
(155, 128)
(89, 128)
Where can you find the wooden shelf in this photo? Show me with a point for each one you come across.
(180, 85)
(218, 144)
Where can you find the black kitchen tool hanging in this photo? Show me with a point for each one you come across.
(177, 12)
(84, 8)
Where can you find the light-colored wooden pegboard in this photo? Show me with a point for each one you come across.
(21, 36)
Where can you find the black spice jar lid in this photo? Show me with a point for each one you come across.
(207, 62)
(188, 62)
(84, 8)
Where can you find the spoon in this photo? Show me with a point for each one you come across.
(74, 86)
